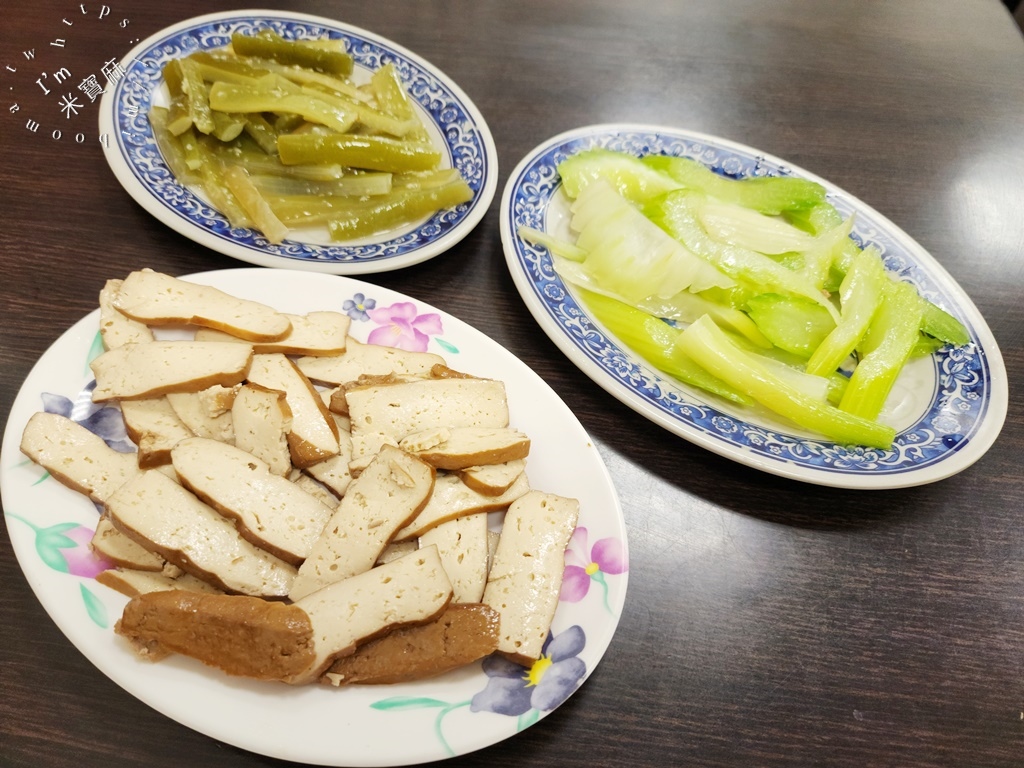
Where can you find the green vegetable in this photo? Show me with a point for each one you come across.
(378, 153)
(707, 345)
(793, 323)
(654, 340)
(765, 194)
(627, 174)
(269, 45)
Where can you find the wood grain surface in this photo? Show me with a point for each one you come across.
(768, 622)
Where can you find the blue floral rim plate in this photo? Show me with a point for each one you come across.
(455, 123)
(948, 408)
(464, 710)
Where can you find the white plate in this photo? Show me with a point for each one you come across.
(455, 123)
(353, 726)
(948, 408)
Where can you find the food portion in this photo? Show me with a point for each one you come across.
(751, 289)
(250, 536)
(279, 134)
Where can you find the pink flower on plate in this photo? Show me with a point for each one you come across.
(583, 568)
(401, 327)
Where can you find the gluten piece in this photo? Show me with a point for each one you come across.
(526, 575)
(269, 510)
(136, 371)
(391, 491)
(461, 635)
(155, 427)
(452, 498)
(75, 456)
(315, 334)
(116, 328)
(269, 640)
(462, 545)
(169, 520)
(314, 434)
(261, 421)
(360, 359)
(158, 299)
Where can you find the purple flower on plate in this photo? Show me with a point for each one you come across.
(104, 421)
(516, 690)
(606, 557)
(401, 327)
(358, 306)
(65, 547)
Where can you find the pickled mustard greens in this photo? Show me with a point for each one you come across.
(277, 135)
(750, 289)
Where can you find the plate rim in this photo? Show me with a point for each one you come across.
(37, 574)
(952, 462)
(125, 172)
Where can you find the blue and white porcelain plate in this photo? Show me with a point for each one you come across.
(948, 408)
(454, 122)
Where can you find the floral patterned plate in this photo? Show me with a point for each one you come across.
(455, 124)
(459, 712)
(947, 408)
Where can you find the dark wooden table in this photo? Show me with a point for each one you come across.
(768, 622)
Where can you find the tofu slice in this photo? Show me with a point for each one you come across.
(389, 493)
(153, 368)
(314, 434)
(155, 427)
(526, 575)
(361, 359)
(168, 519)
(158, 299)
(269, 510)
(463, 447)
(462, 545)
(131, 582)
(493, 479)
(391, 412)
(124, 552)
(76, 457)
(207, 413)
(116, 328)
(261, 420)
(315, 334)
(452, 499)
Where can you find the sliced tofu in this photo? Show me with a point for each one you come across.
(155, 427)
(158, 299)
(391, 491)
(131, 582)
(493, 479)
(462, 545)
(361, 359)
(109, 543)
(116, 328)
(314, 433)
(75, 456)
(463, 447)
(168, 519)
(452, 499)
(269, 510)
(526, 575)
(315, 334)
(261, 421)
(391, 412)
(153, 368)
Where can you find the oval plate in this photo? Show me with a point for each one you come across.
(456, 126)
(467, 709)
(947, 408)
